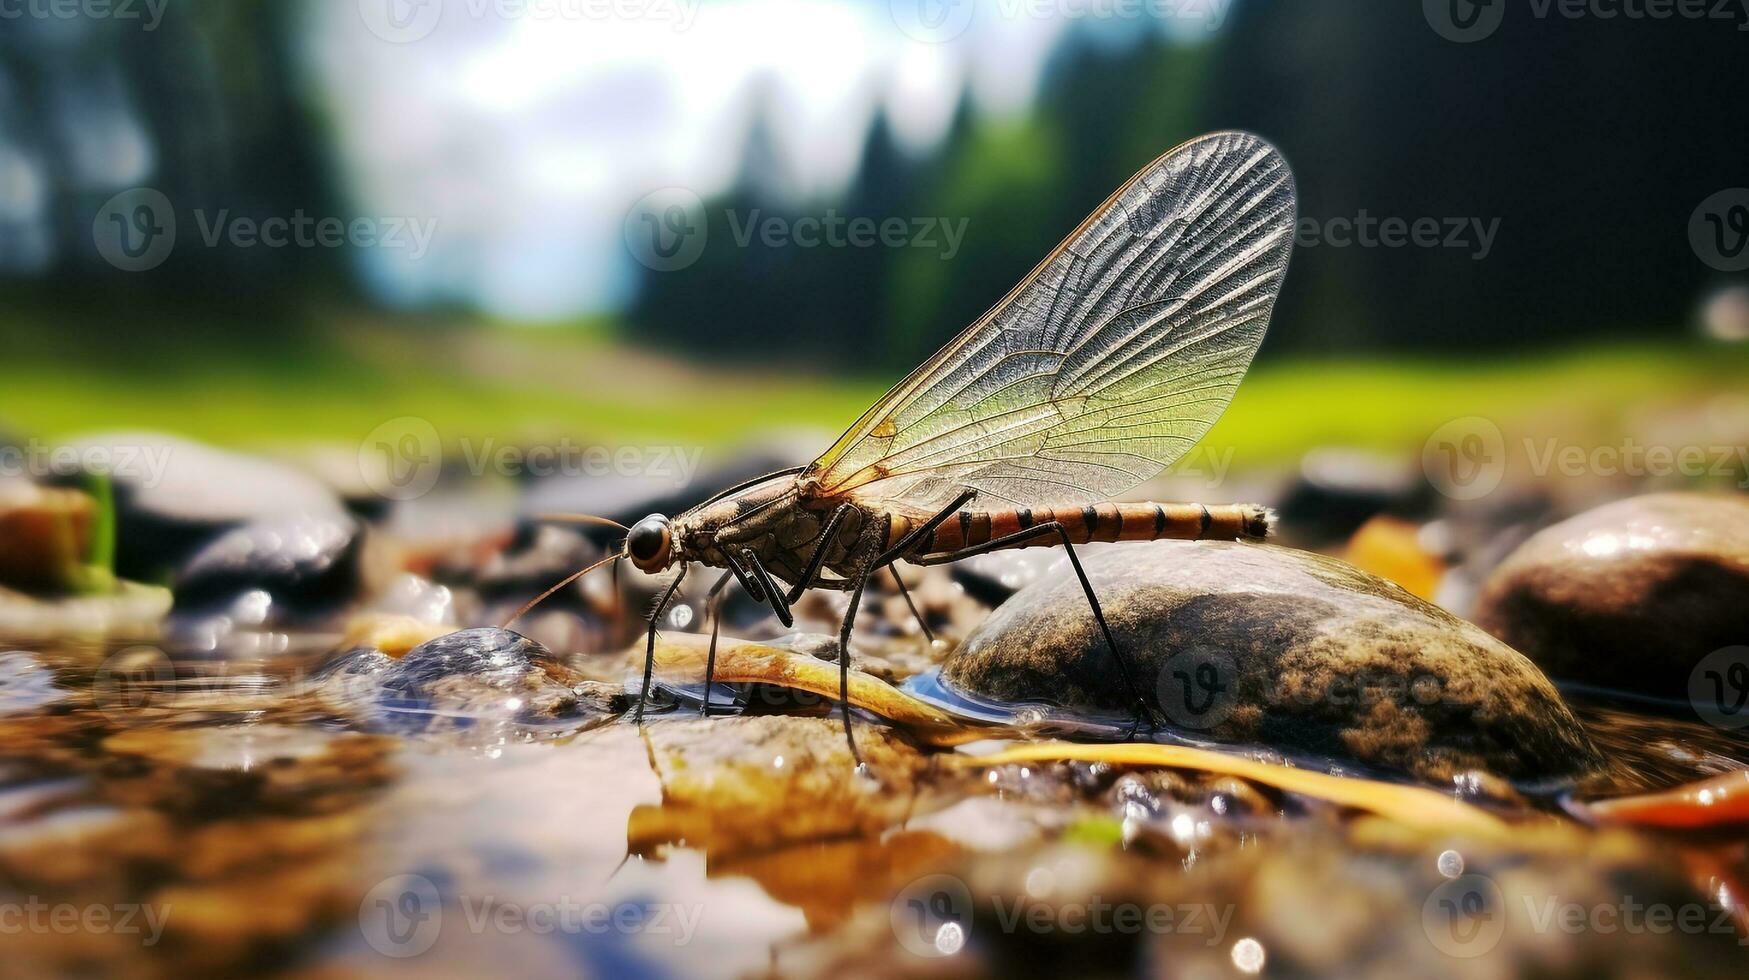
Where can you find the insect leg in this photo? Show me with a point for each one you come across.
(917, 534)
(844, 662)
(748, 585)
(927, 633)
(650, 644)
(713, 604)
(1038, 531)
(760, 575)
(818, 558)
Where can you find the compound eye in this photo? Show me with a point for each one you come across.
(648, 540)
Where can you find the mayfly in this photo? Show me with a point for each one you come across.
(1108, 362)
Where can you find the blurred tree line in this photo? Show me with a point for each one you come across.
(1590, 142)
(206, 107)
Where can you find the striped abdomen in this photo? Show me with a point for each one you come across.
(1095, 522)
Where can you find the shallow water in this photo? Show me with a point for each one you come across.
(271, 826)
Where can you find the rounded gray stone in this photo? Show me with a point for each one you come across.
(1631, 595)
(1286, 649)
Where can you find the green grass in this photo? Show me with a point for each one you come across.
(525, 384)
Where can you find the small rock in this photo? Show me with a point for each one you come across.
(1338, 490)
(45, 535)
(130, 610)
(1629, 595)
(992, 578)
(173, 496)
(25, 684)
(471, 679)
(1280, 648)
(757, 782)
(308, 566)
(417, 599)
(539, 556)
(1397, 550)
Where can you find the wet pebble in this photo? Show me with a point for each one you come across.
(45, 535)
(1338, 490)
(1630, 595)
(306, 566)
(755, 782)
(1294, 651)
(173, 496)
(25, 684)
(479, 679)
(130, 610)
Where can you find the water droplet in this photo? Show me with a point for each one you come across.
(950, 938)
(1451, 864)
(1183, 828)
(1248, 955)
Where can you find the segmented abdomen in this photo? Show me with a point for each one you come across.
(1095, 522)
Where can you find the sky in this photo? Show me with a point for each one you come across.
(529, 128)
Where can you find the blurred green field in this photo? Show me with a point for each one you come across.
(533, 384)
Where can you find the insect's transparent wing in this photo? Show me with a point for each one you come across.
(1107, 363)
